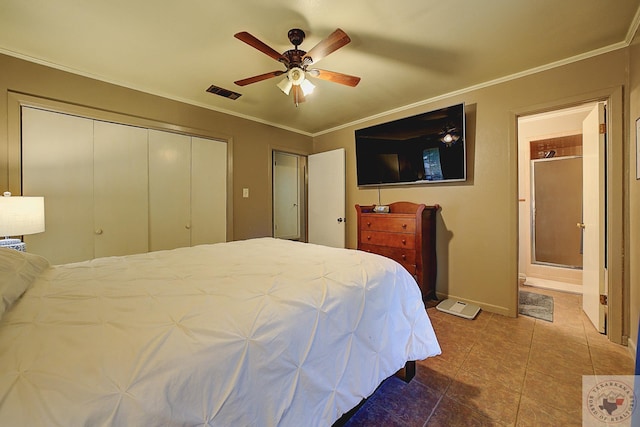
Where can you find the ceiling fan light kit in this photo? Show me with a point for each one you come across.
(296, 75)
(285, 85)
(297, 61)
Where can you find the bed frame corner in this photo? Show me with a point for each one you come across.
(407, 373)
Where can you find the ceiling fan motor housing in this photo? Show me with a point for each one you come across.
(293, 58)
(296, 36)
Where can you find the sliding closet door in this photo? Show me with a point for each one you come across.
(121, 204)
(113, 189)
(169, 190)
(57, 163)
(208, 191)
(93, 176)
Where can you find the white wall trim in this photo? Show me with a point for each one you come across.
(552, 65)
(633, 348)
(486, 84)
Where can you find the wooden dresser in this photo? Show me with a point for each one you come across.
(407, 234)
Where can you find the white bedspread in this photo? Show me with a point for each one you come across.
(261, 332)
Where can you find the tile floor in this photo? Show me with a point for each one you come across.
(501, 371)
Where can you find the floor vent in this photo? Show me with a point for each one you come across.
(217, 90)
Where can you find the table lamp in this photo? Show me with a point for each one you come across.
(19, 216)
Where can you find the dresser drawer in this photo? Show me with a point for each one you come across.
(400, 255)
(407, 258)
(411, 268)
(395, 240)
(388, 222)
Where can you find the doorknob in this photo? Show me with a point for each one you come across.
(580, 225)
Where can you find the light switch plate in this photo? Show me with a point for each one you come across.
(245, 193)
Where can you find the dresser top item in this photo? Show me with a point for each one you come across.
(399, 208)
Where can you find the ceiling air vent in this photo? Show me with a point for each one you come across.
(223, 92)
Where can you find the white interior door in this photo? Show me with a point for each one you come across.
(593, 224)
(286, 196)
(121, 205)
(57, 163)
(169, 190)
(327, 198)
(208, 191)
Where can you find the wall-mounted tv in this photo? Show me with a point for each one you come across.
(421, 149)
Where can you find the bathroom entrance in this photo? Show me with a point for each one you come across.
(562, 203)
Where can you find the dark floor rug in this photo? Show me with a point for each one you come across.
(536, 305)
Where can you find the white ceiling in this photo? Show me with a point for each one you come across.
(406, 51)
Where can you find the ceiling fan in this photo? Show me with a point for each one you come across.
(297, 63)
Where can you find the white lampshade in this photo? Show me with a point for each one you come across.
(21, 215)
(307, 87)
(285, 85)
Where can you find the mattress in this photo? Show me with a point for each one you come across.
(260, 332)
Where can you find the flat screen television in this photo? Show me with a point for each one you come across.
(421, 149)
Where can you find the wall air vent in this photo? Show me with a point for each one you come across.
(224, 92)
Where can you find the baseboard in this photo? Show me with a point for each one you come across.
(553, 285)
(504, 311)
(632, 346)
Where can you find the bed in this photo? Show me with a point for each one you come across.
(260, 332)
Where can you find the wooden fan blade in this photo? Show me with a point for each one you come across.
(298, 96)
(332, 76)
(255, 43)
(258, 78)
(335, 41)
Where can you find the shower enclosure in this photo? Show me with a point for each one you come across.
(550, 200)
(556, 212)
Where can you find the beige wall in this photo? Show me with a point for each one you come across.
(634, 194)
(252, 141)
(477, 229)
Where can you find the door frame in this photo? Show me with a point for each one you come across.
(617, 220)
(565, 279)
(302, 156)
(300, 182)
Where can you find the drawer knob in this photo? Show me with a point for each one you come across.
(404, 225)
(368, 237)
(404, 241)
(368, 224)
(404, 257)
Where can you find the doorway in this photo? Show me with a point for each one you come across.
(308, 197)
(561, 170)
(289, 195)
(546, 143)
(614, 187)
